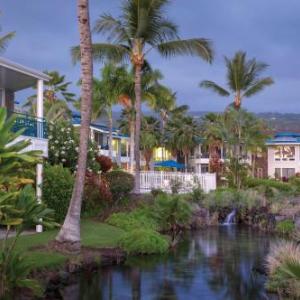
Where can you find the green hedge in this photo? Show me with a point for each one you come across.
(57, 189)
(144, 241)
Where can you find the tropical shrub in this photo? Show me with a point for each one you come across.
(175, 185)
(18, 211)
(120, 183)
(105, 163)
(171, 211)
(285, 227)
(57, 189)
(64, 146)
(17, 166)
(197, 195)
(279, 185)
(283, 264)
(143, 241)
(156, 192)
(137, 219)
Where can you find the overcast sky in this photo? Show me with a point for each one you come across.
(266, 29)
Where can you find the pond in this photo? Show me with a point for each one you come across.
(217, 263)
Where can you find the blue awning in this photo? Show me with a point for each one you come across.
(169, 164)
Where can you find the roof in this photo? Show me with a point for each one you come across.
(17, 77)
(98, 127)
(285, 137)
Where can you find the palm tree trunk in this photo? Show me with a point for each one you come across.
(138, 99)
(110, 138)
(132, 130)
(70, 231)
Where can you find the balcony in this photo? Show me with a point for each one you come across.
(32, 126)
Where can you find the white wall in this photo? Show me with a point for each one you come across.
(273, 164)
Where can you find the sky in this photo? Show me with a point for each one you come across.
(268, 30)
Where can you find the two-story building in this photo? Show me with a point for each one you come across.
(13, 78)
(284, 155)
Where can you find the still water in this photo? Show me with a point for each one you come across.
(214, 264)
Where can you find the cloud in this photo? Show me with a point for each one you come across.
(267, 30)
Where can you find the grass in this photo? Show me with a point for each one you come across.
(93, 234)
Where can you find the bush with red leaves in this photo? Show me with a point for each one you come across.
(105, 163)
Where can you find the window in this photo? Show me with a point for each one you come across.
(204, 168)
(288, 172)
(98, 136)
(277, 173)
(284, 153)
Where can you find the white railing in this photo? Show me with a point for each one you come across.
(186, 181)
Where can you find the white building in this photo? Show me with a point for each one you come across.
(13, 78)
(284, 155)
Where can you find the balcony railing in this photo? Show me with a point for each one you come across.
(32, 126)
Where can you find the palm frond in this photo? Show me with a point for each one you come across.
(4, 40)
(102, 51)
(197, 47)
(214, 87)
(114, 28)
(258, 86)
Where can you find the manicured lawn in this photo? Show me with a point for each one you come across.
(93, 234)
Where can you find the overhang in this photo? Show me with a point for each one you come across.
(15, 77)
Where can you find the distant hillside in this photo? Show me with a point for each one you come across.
(275, 121)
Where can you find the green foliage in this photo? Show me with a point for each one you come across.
(17, 165)
(137, 219)
(197, 195)
(285, 227)
(175, 185)
(120, 183)
(156, 192)
(271, 183)
(64, 146)
(14, 270)
(144, 241)
(283, 264)
(57, 189)
(21, 210)
(171, 211)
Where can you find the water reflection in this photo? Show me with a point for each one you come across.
(218, 263)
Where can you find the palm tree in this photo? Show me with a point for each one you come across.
(142, 27)
(108, 90)
(182, 135)
(150, 138)
(69, 235)
(213, 140)
(5, 39)
(56, 98)
(243, 79)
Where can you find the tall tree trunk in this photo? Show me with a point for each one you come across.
(186, 161)
(110, 137)
(138, 99)
(70, 231)
(132, 130)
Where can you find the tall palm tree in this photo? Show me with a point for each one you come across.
(112, 85)
(5, 39)
(150, 138)
(243, 79)
(69, 234)
(143, 27)
(56, 98)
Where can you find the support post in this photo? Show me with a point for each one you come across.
(39, 167)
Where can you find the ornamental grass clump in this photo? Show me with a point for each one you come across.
(283, 265)
(144, 241)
